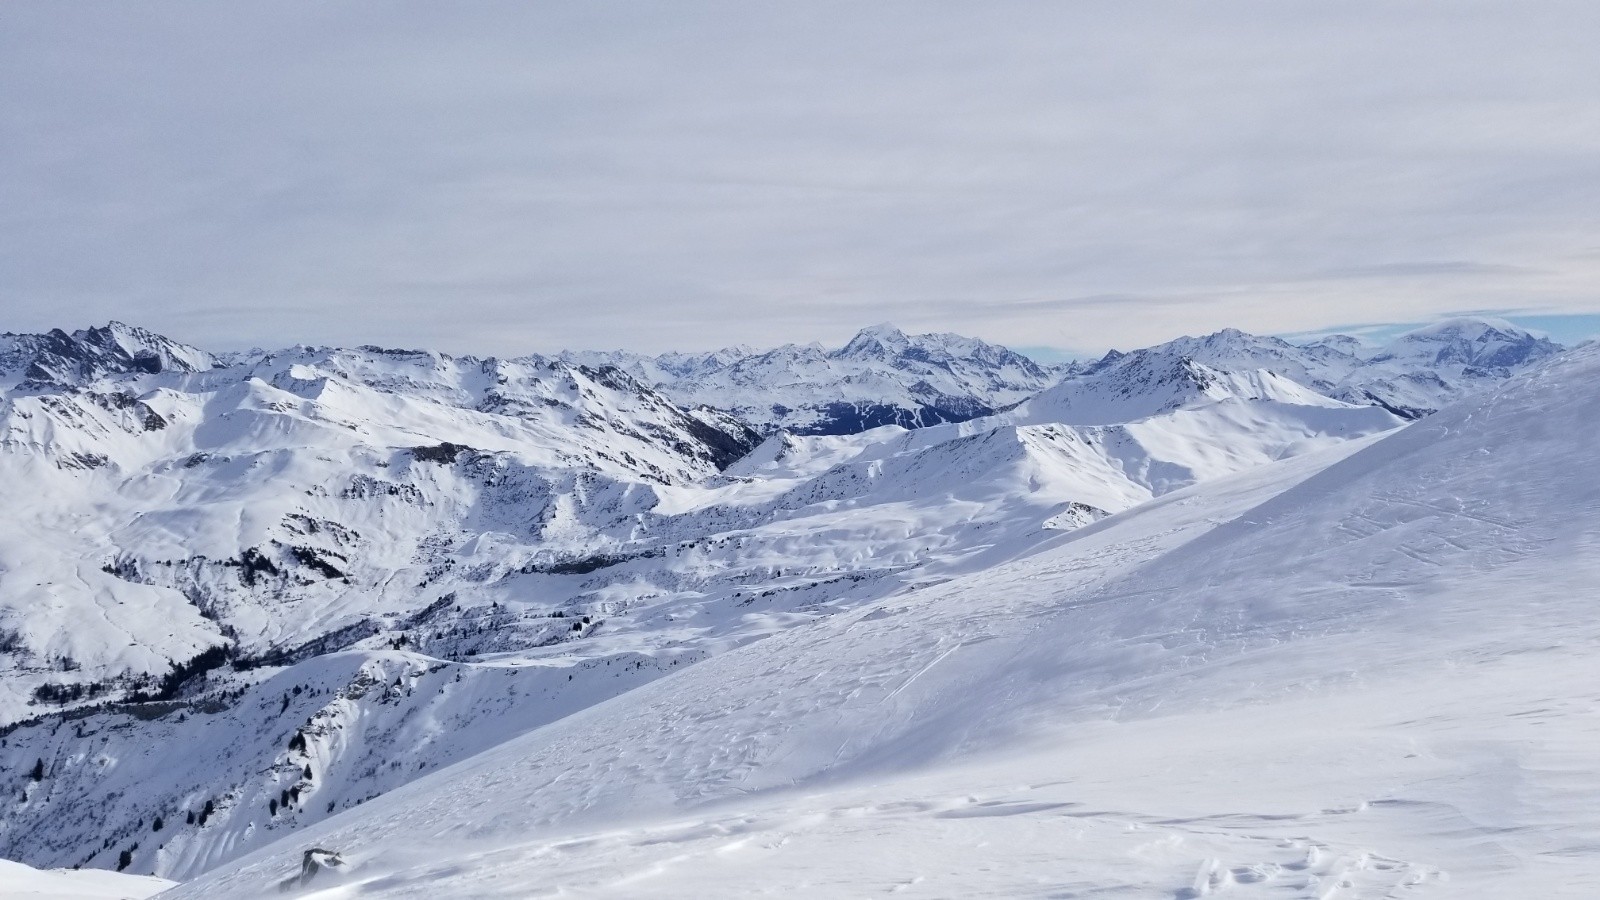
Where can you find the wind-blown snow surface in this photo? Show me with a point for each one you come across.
(19, 882)
(1362, 672)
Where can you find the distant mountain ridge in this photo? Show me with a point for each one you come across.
(1414, 374)
(883, 376)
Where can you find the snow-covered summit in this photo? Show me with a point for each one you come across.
(1144, 383)
(1479, 343)
(877, 341)
(1316, 366)
(57, 357)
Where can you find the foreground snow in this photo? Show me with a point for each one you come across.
(20, 882)
(1363, 672)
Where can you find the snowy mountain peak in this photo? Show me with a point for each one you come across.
(1230, 337)
(1485, 343)
(1424, 369)
(1146, 383)
(75, 359)
(1415, 374)
(1466, 327)
(884, 376)
(877, 339)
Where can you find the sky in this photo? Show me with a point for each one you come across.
(506, 177)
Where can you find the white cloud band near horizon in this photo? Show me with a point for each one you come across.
(508, 177)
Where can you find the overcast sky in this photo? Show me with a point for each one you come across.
(504, 177)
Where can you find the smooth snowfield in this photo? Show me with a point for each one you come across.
(20, 882)
(1363, 672)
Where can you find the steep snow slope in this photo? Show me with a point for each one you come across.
(369, 721)
(1355, 674)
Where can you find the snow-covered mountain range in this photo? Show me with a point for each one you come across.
(886, 377)
(243, 594)
(1414, 374)
(881, 377)
(1361, 673)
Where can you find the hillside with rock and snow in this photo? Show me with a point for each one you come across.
(317, 575)
(293, 496)
(1361, 672)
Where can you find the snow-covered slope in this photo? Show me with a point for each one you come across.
(1317, 365)
(321, 574)
(1364, 672)
(19, 882)
(1149, 382)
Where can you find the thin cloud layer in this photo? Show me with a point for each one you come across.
(506, 177)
